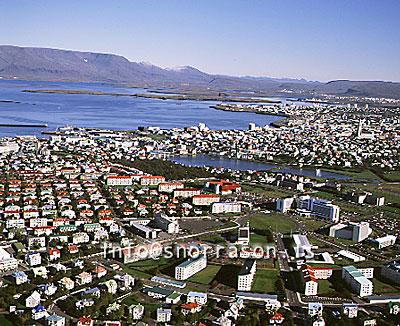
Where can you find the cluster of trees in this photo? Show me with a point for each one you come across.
(169, 170)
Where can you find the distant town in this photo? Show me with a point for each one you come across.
(103, 227)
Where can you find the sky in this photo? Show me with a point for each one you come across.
(313, 39)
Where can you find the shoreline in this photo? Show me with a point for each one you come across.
(160, 97)
(277, 124)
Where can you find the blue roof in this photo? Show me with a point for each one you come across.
(38, 309)
(19, 274)
(54, 318)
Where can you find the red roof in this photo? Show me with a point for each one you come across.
(190, 306)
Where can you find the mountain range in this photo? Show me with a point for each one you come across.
(45, 64)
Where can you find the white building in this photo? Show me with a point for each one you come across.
(222, 208)
(302, 246)
(169, 186)
(358, 281)
(386, 241)
(6, 261)
(197, 297)
(309, 281)
(246, 275)
(320, 208)
(190, 267)
(352, 231)
(119, 181)
(143, 231)
(205, 200)
(284, 204)
(243, 235)
(33, 300)
(33, 259)
(167, 224)
(164, 315)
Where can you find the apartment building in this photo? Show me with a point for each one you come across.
(246, 275)
(190, 267)
(358, 281)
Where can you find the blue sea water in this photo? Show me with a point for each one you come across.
(105, 111)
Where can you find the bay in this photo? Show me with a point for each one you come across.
(106, 111)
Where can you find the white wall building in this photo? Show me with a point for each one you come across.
(222, 208)
(190, 267)
(386, 241)
(246, 275)
(358, 281)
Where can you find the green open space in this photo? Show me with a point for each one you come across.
(271, 192)
(381, 288)
(272, 222)
(146, 268)
(265, 281)
(206, 275)
(4, 321)
(312, 225)
(258, 239)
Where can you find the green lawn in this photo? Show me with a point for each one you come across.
(265, 281)
(312, 225)
(221, 227)
(325, 288)
(257, 239)
(381, 288)
(4, 321)
(265, 191)
(136, 273)
(274, 223)
(206, 275)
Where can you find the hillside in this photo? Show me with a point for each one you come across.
(62, 65)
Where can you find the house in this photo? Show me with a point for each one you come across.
(190, 308)
(99, 272)
(38, 312)
(80, 237)
(84, 321)
(48, 289)
(92, 292)
(136, 311)
(33, 259)
(73, 249)
(67, 283)
(315, 308)
(33, 300)
(111, 286)
(55, 320)
(173, 298)
(84, 278)
(164, 315)
(221, 321)
(40, 271)
(276, 319)
(20, 277)
(197, 297)
(54, 254)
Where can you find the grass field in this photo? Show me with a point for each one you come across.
(257, 239)
(312, 225)
(206, 275)
(4, 321)
(265, 191)
(137, 273)
(325, 288)
(265, 281)
(381, 288)
(271, 222)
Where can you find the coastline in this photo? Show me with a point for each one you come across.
(277, 124)
(160, 97)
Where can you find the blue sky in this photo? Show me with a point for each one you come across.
(313, 39)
